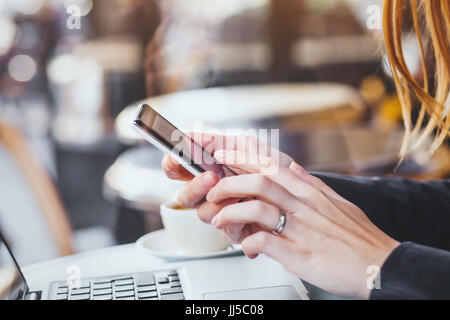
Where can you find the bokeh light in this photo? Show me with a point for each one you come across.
(62, 69)
(22, 68)
(84, 5)
(7, 32)
(28, 7)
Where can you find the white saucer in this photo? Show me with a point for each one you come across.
(157, 243)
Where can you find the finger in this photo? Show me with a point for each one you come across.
(258, 212)
(209, 142)
(174, 170)
(214, 142)
(341, 203)
(277, 248)
(206, 211)
(248, 161)
(254, 185)
(346, 214)
(306, 194)
(312, 193)
(235, 233)
(221, 142)
(195, 191)
(283, 176)
(313, 181)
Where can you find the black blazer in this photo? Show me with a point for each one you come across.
(414, 213)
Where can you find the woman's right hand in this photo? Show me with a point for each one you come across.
(193, 194)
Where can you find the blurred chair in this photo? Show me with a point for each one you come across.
(31, 212)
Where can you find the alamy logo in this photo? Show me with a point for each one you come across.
(259, 146)
(374, 280)
(74, 276)
(74, 19)
(374, 17)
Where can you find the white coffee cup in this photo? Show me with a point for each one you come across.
(187, 232)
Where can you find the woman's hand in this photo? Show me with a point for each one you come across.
(327, 240)
(193, 194)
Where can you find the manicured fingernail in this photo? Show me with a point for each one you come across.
(219, 154)
(171, 174)
(208, 180)
(297, 169)
(171, 162)
(210, 196)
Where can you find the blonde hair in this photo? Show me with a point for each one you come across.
(431, 24)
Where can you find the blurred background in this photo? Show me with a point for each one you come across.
(75, 177)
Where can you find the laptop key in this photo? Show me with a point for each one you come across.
(146, 288)
(124, 282)
(61, 296)
(153, 298)
(105, 285)
(62, 290)
(172, 273)
(80, 297)
(83, 284)
(145, 279)
(162, 280)
(125, 298)
(80, 291)
(171, 290)
(122, 278)
(103, 281)
(102, 292)
(174, 278)
(173, 296)
(123, 294)
(103, 297)
(124, 288)
(175, 284)
(150, 294)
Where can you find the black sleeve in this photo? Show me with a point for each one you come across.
(413, 271)
(406, 210)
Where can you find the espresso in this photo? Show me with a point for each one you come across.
(178, 207)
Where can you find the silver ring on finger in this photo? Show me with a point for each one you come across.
(280, 226)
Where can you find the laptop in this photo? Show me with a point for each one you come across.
(232, 278)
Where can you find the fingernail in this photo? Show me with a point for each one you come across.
(210, 196)
(297, 169)
(214, 221)
(208, 180)
(172, 161)
(171, 174)
(219, 154)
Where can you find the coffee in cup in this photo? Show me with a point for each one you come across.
(188, 233)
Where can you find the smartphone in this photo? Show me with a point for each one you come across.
(172, 141)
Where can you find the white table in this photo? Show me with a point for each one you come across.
(103, 262)
(128, 259)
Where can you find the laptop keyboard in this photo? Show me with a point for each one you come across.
(159, 285)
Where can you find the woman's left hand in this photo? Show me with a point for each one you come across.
(327, 240)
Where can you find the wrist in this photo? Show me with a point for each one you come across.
(381, 254)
